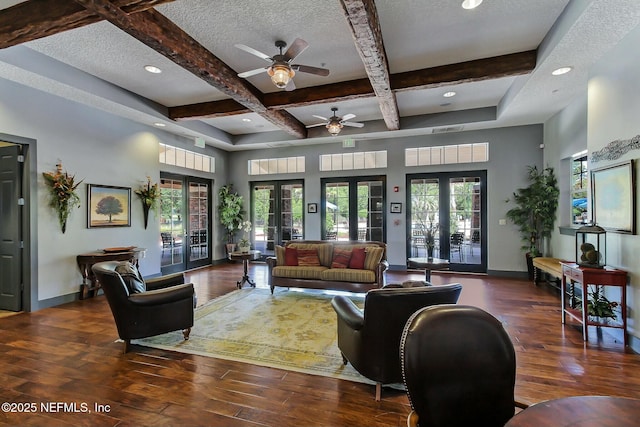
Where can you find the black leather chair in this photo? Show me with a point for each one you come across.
(459, 368)
(145, 308)
(370, 339)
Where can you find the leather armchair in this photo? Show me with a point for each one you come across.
(157, 306)
(459, 368)
(370, 339)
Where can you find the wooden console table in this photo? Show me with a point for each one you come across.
(90, 284)
(583, 277)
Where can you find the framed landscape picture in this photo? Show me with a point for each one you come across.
(613, 191)
(108, 206)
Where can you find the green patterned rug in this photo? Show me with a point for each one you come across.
(289, 330)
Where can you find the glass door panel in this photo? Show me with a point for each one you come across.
(424, 234)
(264, 223)
(370, 210)
(465, 222)
(171, 224)
(336, 223)
(198, 221)
(291, 211)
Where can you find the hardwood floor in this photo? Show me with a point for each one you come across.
(68, 354)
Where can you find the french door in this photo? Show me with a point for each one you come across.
(277, 213)
(447, 212)
(353, 208)
(185, 231)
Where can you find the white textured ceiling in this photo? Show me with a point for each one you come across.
(417, 34)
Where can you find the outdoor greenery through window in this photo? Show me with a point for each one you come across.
(579, 188)
(186, 159)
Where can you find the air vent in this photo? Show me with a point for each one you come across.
(447, 129)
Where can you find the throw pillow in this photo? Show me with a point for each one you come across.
(373, 258)
(131, 277)
(290, 256)
(357, 258)
(308, 257)
(341, 258)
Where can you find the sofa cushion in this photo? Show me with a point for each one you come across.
(298, 272)
(373, 257)
(131, 277)
(325, 251)
(341, 258)
(308, 258)
(358, 256)
(280, 255)
(291, 256)
(349, 275)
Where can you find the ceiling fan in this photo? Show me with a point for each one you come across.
(334, 123)
(281, 70)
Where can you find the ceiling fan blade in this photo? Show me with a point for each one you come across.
(353, 124)
(320, 117)
(254, 52)
(252, 72)
(297, 47)
(290, 86)
(311, 70)
(348, 117)
(317, 124)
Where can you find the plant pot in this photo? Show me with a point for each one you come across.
(530, 264)
(244, 249)
(231, 247)
(145, 212)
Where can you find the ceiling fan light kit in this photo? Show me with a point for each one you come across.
(281, 74)
(281, 70)
(334, 128)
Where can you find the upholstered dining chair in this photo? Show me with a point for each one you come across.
(459, 368)
(369, 339)
(145, 308)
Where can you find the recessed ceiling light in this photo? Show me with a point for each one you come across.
(471, 4)
(160, 125)
(152, 69)
(561, 70)
(449, 94)
(246, 120)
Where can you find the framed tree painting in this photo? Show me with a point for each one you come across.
(108, 206)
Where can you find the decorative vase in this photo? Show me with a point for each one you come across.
(430, 252)
(231, 247)
(244, 249)
(145, 211)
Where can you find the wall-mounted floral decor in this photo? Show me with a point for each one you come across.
(149, 195)
(62, 193)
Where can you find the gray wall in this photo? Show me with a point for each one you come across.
(511, 150)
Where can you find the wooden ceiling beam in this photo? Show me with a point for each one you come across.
(362, 17)
(34, 19)
(165, 37)
(470, 71)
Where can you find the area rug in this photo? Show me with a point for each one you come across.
(289, 330)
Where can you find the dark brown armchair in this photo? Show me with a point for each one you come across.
(145, 308)
(459, 368)
(370, 339)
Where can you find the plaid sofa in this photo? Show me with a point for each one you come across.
(323, 276)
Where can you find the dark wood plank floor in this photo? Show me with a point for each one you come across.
(68, 354)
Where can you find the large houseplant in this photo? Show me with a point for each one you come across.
(230, 211)
(535, 208)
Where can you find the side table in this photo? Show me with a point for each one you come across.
(583, 277)
(428, 264)
(245, 257)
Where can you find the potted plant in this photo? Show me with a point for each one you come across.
(244, 244)
(231, 213)
(535, 211)
(599, 306)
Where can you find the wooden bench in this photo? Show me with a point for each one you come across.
(551, 266)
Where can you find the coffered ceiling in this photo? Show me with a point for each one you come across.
(390, 62)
